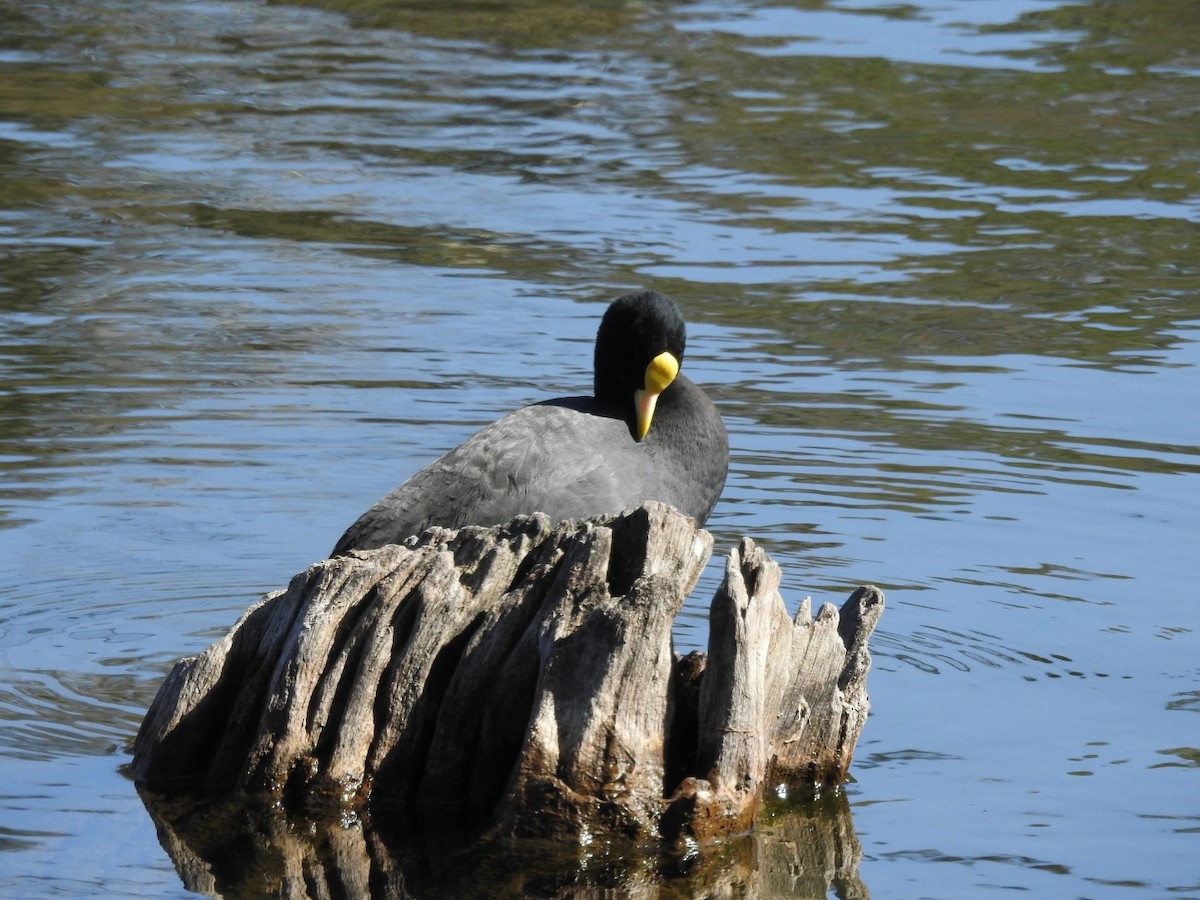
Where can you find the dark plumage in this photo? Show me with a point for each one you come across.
(577, 457)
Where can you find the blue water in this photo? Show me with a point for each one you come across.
(258, 263)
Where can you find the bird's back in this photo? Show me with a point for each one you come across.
(569, 458)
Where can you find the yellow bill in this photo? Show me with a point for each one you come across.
(659, 374)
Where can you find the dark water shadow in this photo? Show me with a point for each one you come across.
(243, 849)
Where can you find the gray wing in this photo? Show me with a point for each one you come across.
(543, 458)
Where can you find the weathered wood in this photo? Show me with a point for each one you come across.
(782, 702)
(522, 677)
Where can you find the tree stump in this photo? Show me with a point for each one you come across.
(522, 678)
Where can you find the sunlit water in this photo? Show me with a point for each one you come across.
(259, 263)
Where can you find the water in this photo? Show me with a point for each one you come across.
(259, 262)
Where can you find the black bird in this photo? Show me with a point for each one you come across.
(649, 433)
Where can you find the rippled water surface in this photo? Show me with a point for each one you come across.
(261, 261)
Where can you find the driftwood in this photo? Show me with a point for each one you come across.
(522, 678)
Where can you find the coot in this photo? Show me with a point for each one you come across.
(647, 433)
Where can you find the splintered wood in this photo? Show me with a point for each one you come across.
(523, 678)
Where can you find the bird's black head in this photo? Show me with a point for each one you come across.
(635, 333)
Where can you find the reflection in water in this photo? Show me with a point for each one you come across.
(238, 849)
(261, 260)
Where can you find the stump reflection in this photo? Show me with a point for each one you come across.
(236, 848)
